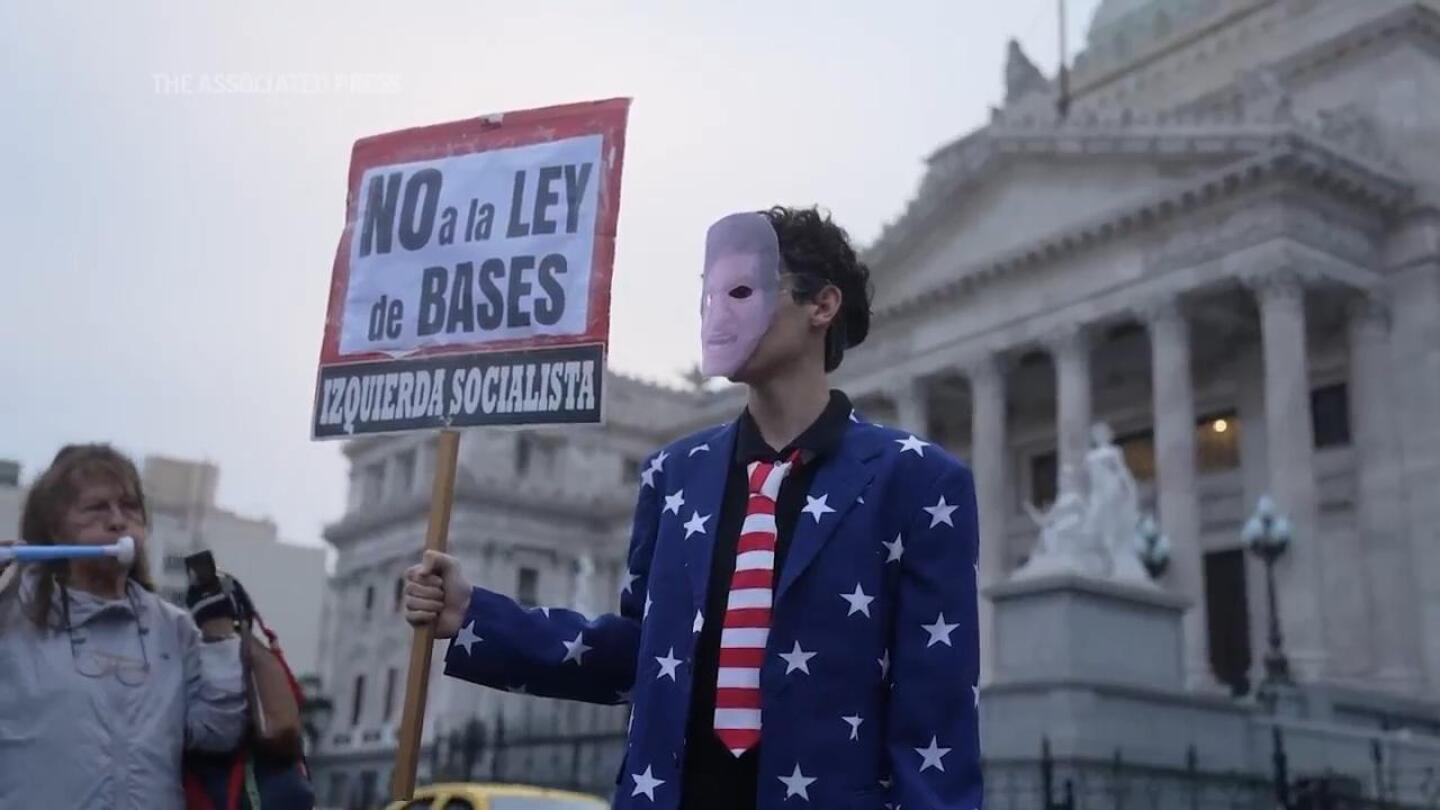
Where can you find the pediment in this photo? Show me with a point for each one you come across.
(1021, 190)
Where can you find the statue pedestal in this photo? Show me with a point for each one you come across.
(1075, 628)
(1096, 666)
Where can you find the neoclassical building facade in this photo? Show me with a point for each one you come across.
(1227, 248)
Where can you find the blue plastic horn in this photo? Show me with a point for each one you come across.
(123, 550)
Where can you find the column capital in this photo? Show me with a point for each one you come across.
(984, 369)
(1068, 337)
(1285, 282)
(1160, 309)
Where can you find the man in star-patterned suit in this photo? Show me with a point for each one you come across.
(798, 628)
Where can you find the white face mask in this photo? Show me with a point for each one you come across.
(740, 291)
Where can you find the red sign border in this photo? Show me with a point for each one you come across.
(498, 131)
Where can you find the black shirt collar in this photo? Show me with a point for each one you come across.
(820, 438)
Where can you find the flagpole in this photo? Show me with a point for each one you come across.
(1063, 104)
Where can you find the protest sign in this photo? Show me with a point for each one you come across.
(471, 285)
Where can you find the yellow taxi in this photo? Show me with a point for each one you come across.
(473, 796)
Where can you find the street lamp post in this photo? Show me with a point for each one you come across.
(1152, 547)
(1267, 534)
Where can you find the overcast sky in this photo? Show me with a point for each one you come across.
(166, 254)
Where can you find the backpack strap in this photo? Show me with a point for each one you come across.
(274, 642)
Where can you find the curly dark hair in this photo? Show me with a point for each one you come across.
(818, 252)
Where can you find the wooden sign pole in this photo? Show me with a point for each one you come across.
(417, 682)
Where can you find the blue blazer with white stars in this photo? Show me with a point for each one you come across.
(869, 683)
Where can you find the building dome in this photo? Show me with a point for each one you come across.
(1133, 26)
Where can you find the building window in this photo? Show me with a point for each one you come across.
(337, 789)
(524, 450)
(369, 784)
(1228, 618)
(372, 483)
(1330, 416)
(1044, 475)
(527, 587)
(357, 700)
(405, 472)
(1217, 442)
(1139, 452)
(390, 693)
(173, 564)
(399, 593)
(369, 600)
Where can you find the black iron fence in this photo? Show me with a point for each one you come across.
(1113, 783)
(589, 763)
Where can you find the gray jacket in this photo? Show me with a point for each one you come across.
(96, 718)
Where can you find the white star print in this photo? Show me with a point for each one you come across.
(912, 444)
(466, 638)
(854, 720)
(939, 632)
(797, 659)
(630, 578)
(817, 506)
(575, 650)
(545, 611)
(940, 513)
(896, 548)
(859, 602)
(648, 603)
(674, 502)
(656, 465)
(797, 784)
(884, 665)
(699, 622)
(700, 448)
(854, 418)
(646, 783)
(860, 500)
(933, 756)
(696, 524)
(668, 662)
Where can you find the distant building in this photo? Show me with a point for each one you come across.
(12, 499)
(286, 581)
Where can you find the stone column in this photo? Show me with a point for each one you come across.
(1390, 621)
(1415, 338)
(1070, 349)
(987, 443)
(1178, 500)
(912, 406)
(1249, 374)
(1291, 454)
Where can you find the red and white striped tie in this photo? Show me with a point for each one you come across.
(747, 613)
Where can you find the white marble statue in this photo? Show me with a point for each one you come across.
(1114, 505)
(1064, 543)
(1090, 532)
